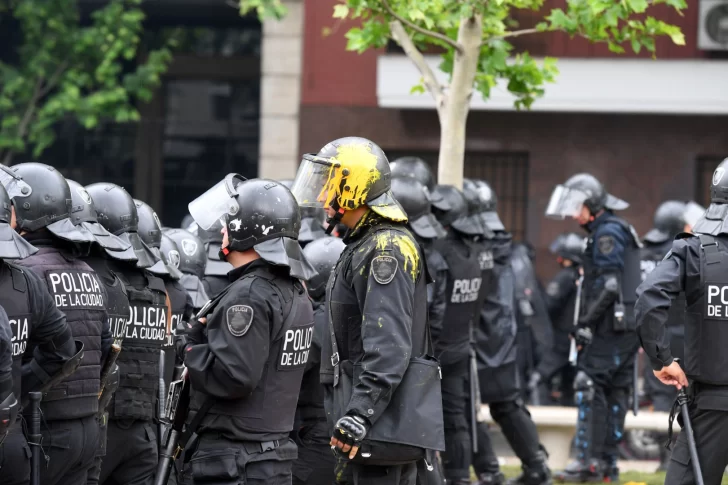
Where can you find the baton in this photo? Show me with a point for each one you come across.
(682, 400)
(573, 351)
(34, 437)
(635, 390)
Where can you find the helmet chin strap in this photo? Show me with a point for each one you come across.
(333, 221)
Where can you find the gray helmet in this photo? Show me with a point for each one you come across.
(412, 196)
(714, 220)
(150, 231)
(322, 254)
(669, 221)
(118, 214)
(47, 205)
(84, 216)
(457, 216)
(12, 244)
(569, 246)
(419, 169)
(190, 251)
(582, 189)
(475, 208)
(169, 254)
(489, 200)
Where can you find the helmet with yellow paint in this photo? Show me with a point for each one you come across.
(346, 174)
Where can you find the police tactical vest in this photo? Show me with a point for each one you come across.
(706, 329)
(651, 256)
(196, 289)
(117, 301)
(14, 298)
(146, 332)
(464, 298)
(180, 313)
(79, 294)
(271, 406)
(311, 399)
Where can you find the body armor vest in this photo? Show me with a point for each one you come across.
(146, 332)
(117, 301)
(180, 313)
(311, 400)
(706, 329)
(271, 406)
(651, 256)
(194, 287)
(464, 299)
(630, 277)
(14, 298)
(77, 292)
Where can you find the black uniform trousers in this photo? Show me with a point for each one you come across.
(710, 429)
(220, 461)
(609, 362)
(315, 463)
(456, 403)
(15, 457)
(132, 453)
(70, 447)
(94, 474)
(556, 363)
(348, 473)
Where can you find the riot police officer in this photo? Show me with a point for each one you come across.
(247, 354)
(107, 246)
(497, 350)
(561, 303)
(216, 269)
(131, 448)
(41, 341)
(42, 217)
(669, 221)
(695, 267)
(418, 169)
(189, 252)
(315, 463)
(9, 404)
(377, 297)
(606, 327)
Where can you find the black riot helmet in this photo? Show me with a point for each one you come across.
(12, 244)
(118, 214)
(475, 209)
(457, 216)
(489, 200)
(669, 221)
(258, 214)
(47, 204)
(170, 257)
(412, 196)
(419, 169)
(190, 251)
(582, 189)
(322, 254)
(715, 219)
(346, 174)
(569, 246)
(150, 232)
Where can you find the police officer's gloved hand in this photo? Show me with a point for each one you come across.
(349, 432)
(583, 335)
(195, 333)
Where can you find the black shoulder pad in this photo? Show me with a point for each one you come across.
(20, 283)
(156, 283)
(685, 235)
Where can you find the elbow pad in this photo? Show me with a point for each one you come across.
(608, 295)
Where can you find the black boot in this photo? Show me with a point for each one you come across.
(611, 471)
(491, 478)
(533, 476)
(578, 471)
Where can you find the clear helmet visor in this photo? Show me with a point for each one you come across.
(14, 185)
(693, 213)
(209, 209)
(565, 202)
(312, 186)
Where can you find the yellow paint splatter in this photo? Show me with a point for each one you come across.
(351, 190)
(406, 246)
(379, 322)
(391, 212)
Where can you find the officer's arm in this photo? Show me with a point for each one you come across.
(387, 303)
(437, 299)
(498, 311)
(558, 292)
(654, 297)
(610, 243)
(51, 337)
(230, 363)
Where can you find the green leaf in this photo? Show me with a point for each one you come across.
(638, 6)
(636, 46)
(341, 11)
(417, 89)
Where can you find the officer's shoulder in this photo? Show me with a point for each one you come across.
(612, 228)
(155, 282)
(22, 275)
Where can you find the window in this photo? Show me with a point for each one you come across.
(506, 172)
(705, 166)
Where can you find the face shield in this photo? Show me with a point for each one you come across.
(313, 185)
(14, 185)
(565, 202)
(221, 200)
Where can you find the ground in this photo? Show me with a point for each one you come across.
(633, 478)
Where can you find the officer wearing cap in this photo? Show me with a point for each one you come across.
(695, 267)
(96, 254)
(247, 353)
(132, 446)
(42, 217)
(382, 386)
(315, 463)
(43, 351)
(561, 303)
(497, 349)
(606, 327)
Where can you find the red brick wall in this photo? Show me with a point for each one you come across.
(642, 159)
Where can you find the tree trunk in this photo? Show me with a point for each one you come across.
(454, 116)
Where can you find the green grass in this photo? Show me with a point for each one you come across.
(637, 477)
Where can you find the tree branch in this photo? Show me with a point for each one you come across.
(27, 117)
(404, 40)
(515, 33)
(429, 33)
(53, 80)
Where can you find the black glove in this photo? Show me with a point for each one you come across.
(583, 336)
(351, 430)
(195, 334)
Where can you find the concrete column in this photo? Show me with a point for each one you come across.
(280, 93)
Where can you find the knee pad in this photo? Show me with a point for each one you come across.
(502, 409)
(583, 388)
